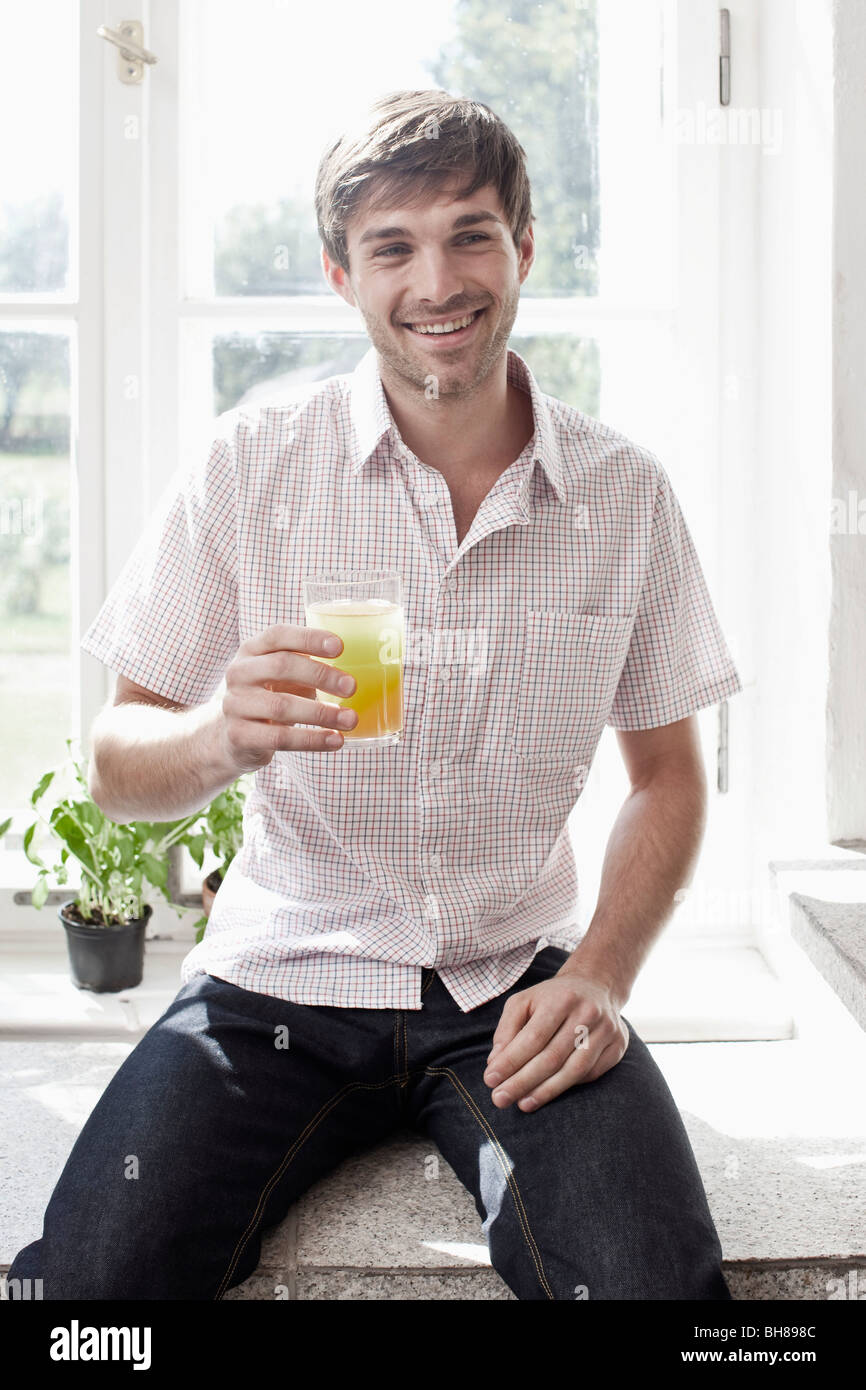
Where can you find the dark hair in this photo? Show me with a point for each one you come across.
(415, 142)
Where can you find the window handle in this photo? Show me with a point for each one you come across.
(722, 749)
(724, 57)
(131, 56)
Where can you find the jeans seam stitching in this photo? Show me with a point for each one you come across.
(428, 984)
(284, 1165)
(509, 1176)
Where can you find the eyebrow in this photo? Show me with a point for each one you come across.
(467, 219)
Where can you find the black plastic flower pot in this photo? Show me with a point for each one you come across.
(105, 959)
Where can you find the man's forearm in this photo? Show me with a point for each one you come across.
(652, 848)
(151, 763)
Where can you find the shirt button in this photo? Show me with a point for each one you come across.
(433, 770)
(452, 583)
(431, 904)
(434, 860)
(427, 499)
(444, 673)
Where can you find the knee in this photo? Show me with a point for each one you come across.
(43, 1271)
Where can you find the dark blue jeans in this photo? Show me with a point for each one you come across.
(598, 1190)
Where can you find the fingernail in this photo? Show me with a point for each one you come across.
(529, 1103)
(332, 645)
(493, 1078)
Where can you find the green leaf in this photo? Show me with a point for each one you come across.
(90, 816)
(41, 787)
(4, 827)
(126, 854)
(31, 853)
(156, 869)
(39, 894)
(67, 828)
(195, 844)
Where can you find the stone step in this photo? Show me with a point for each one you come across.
(778, 1129)
(833, 936)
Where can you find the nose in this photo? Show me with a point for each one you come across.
(435, 279)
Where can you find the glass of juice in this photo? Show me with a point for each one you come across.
(365, 609)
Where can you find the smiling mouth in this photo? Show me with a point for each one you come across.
(450, 328)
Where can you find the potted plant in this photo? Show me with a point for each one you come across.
(105, 922)
(223, 830)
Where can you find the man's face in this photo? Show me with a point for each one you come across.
(431, 264)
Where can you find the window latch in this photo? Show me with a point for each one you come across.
(722, 749)
(131, 57)
(724, 57)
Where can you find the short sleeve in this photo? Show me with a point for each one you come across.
(170, 621)
(677, 661)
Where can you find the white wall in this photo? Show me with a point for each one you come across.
(846, 699)
(787, 467)
(760, 318)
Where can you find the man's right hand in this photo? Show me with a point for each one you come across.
(271, 691)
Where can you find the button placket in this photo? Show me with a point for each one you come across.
(431, 907)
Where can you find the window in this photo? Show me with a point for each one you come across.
(38, 342)
(198, 282)
(256, 312)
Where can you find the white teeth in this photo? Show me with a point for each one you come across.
(443, 327)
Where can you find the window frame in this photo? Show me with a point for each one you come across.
(134, 329)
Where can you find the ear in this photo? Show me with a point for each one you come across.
(338, 279)
(526, 254)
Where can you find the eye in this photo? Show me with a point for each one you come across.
(399, 249)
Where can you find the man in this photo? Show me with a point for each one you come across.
(391, 912)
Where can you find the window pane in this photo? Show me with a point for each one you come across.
(38, 146)
(248, 368)
(249, 163)
(265, 366)
(565, 367)
(35, 666)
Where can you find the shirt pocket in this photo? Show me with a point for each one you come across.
(568, 677)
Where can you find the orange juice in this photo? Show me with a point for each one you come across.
(372, 634)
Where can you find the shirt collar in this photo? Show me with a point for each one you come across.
(372, 420)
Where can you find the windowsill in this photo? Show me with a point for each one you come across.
(685, 993)
(39, 1000)
(689, 990)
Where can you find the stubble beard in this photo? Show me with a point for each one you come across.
(457, 379)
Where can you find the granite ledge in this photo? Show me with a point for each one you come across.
(833, 936)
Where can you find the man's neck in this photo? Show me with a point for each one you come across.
(476, 434)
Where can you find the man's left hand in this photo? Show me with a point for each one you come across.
(554, 1035)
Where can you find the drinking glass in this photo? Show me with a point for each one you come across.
(365, 609)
